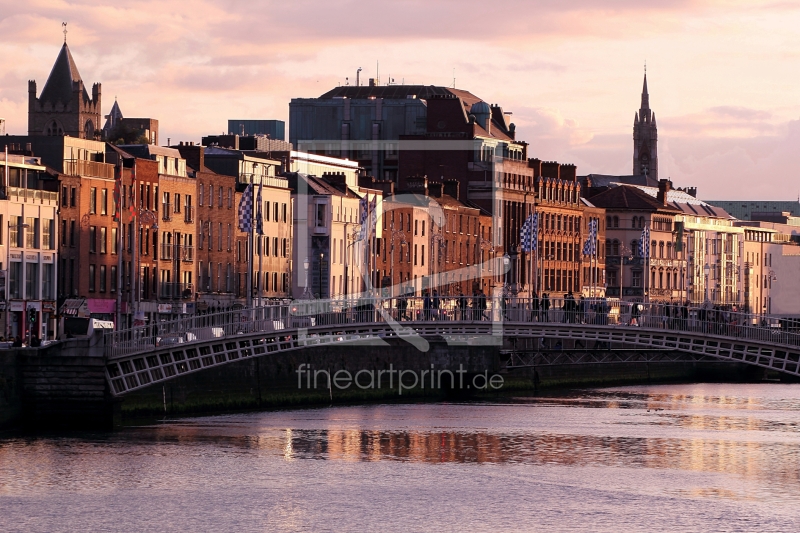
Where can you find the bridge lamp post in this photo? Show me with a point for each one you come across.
(306, 294)
(506, 262)
(706, 268)
(321, 258)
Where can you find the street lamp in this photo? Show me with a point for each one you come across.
(306, 294)
(321, 257)
(506, 262)
(706, 268)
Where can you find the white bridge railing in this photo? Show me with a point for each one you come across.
(286, 318)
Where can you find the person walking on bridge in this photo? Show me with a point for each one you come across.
(535, 308)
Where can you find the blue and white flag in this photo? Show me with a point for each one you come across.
(644, 242)
(373, 212)
(363, 207)
(259, 217)
(535, 232)
(246, 210)
(590, 246)
(525, 234)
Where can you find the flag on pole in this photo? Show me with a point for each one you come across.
(644, 242)
(373, 212)
(259, 217)
(363, 206)
(525, 234)
(590, 246)
(246, 210)
(535, 232)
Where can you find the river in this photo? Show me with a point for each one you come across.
(697, 457)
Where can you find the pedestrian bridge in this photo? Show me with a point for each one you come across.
(592, 333)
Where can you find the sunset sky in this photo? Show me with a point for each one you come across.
(723, 76)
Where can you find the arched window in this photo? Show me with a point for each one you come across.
(669, 250)
(616, 221)
(661, 249)
(634, 220)
(88, 129)
(608, 222)
(53, 128)
(615, 247)
(653, 250)
(635, 248)
(609, 248)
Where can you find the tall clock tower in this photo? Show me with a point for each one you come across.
(645, 139)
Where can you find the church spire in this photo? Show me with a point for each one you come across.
(645, 94)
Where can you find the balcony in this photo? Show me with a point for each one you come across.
(166, 251)
(79, 167)
(29, 196)
(176, 291)
(187, 253)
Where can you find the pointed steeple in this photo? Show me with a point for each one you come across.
(64, 73)
(645, 94)
(636, 118)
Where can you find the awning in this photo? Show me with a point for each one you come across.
(72, 306)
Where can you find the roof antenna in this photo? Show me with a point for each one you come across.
(64, 25)
(454, 78)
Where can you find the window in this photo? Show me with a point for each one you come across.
(92, 200)
(32, 281)
(48, 242)
(210, 196)
(14, 279)
(63, 232)
(13, 231)
(92, 279)
(64, 196)
(230, 237)
(219, 238)
(219, 193)
(32, 232)
(72, 197)
(104, 202)
(202, 188)
(102, 278)
(114, 244)
(72, 233)
(283, 214)
(103, 230)
(230, 198)
(92, 239)
(47, 281)
(177, 203)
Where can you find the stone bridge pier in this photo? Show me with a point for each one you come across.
(60, 386)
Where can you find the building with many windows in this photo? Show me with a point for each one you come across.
(28, 237)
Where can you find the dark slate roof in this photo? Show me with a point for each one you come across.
(396, 92)
(606, 180)
(58, 87)
(628, 197)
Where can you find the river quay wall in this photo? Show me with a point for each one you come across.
(63, 386)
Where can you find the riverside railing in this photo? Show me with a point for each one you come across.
(289, 316)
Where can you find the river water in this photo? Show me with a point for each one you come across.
(702, 457)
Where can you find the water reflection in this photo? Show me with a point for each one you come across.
(748, 433)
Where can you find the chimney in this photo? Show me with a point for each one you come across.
(452, 188)
(195, 156)
(664, 186)
(692, 191)
(551, 169)
(341, 180)
(536, 165)
(569, 172)
(372, 82)
(435, 189)
(417, 184)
